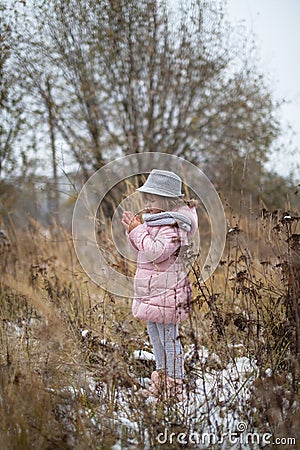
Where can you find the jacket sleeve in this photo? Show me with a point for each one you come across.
(157, 249)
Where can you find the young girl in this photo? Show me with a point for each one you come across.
(162, 291)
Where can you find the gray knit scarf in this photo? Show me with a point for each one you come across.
(168, 218)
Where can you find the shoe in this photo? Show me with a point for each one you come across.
(156, 383)
(156, 387)
(165, 388)
(175, 389)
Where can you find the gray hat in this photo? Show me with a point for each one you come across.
(164, 183)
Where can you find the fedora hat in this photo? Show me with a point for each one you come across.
(164, 183)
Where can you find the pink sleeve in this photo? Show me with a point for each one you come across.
(157, 249)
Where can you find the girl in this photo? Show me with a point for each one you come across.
(162, 291)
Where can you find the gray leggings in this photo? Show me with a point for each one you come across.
(167, 348)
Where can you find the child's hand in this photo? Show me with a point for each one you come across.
(130, 221)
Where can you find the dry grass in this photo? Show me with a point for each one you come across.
(64, 389)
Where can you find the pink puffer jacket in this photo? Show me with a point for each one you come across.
(162, 290)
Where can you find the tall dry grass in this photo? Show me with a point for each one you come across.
(68, 376)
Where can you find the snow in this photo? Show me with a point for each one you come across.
(84, 333)
(213, 406)
(143, 355)
(217, 399)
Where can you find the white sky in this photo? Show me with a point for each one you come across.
(276, 28)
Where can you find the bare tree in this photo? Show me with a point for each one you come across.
(10, 101)
(131, 77)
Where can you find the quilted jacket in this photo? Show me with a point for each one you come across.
(162, 290)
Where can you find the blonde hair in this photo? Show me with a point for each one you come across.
(171, 204)
(174, 203)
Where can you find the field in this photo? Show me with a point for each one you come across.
(73, 359)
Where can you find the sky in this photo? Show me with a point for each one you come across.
(275, 26)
